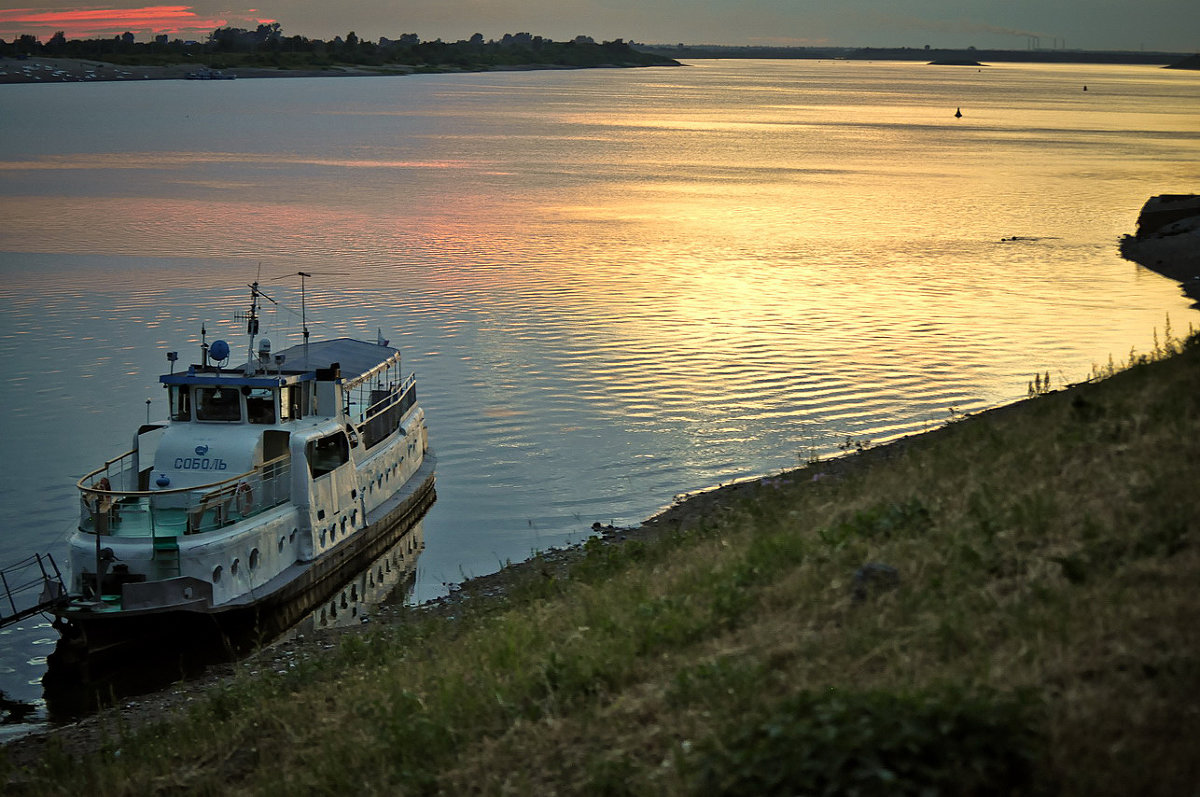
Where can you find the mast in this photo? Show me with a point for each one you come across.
(252, 326)
(304, 315)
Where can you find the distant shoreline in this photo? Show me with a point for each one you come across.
(87, 70)
(1166, 59)
(36, 69)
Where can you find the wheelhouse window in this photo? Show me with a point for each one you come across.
(327, 453)
(260, 405)
(218, 404)
(181, 403)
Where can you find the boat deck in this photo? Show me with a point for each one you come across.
(136, 517)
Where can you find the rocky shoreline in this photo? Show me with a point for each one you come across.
(1167, 240)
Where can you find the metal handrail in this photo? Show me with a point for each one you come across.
(53, 591)
(204, 507)
(385, 403)
(93, 490)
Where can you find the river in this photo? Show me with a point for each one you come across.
(615, 286)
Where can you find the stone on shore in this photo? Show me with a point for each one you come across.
(1168, 239)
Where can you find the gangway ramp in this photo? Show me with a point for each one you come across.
(31, 586)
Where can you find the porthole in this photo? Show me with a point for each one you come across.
(282, 540)
(233, 568)
(292, 536)
(187, 593)
(217, 574)
(322, 536)
(254, 559)
(343, 525)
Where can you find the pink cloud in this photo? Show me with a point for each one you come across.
(87, 23)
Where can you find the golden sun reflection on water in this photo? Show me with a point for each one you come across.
(619, 284)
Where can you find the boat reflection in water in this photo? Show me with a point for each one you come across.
(79, 682)
(388, 581)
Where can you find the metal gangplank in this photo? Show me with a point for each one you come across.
(30, 586)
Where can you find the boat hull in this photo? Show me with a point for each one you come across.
(232, 629)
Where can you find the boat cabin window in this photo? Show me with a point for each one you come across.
(181, 403)
(218, 404)
(327, 453)
(260, 405)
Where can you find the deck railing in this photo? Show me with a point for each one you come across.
(385, 411)
(108, 506)
(30, 586)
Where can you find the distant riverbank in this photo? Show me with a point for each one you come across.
(77, 70)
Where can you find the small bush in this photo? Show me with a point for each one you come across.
(882, 521)
(868, 743)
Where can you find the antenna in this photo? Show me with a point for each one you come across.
(303, 275)
(304, 314)
(251, 319)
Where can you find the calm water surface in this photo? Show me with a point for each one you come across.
(616, 286)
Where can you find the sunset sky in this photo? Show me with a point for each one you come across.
(1168, 25)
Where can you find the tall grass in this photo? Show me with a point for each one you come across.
(1005, 605)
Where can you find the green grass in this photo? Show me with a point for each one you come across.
(1006, 605)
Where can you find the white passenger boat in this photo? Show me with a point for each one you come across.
(269, 485)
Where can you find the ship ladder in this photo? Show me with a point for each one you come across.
(166, 556)
(31, 586)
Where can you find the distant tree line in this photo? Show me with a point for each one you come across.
(267, 45)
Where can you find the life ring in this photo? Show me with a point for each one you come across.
(245, 498)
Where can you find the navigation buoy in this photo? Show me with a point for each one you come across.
(958, 114)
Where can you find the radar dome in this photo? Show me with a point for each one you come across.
(219, 350)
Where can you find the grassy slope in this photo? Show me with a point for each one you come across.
(1038, 633)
